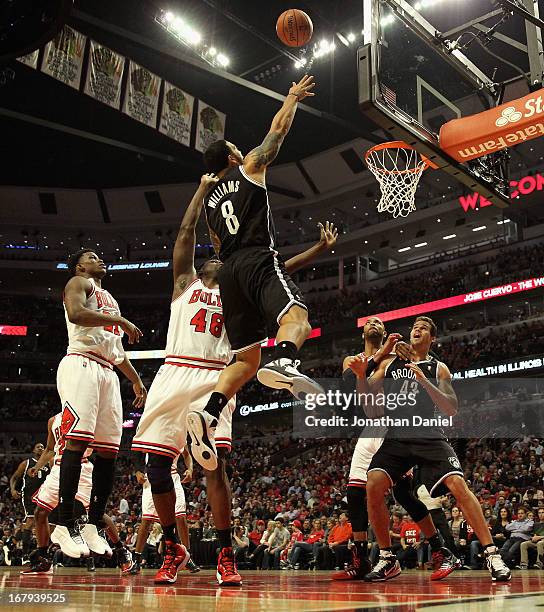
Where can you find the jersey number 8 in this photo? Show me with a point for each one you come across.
(227, 210)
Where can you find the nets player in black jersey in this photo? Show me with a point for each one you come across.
(257, 293)
(376, 349)
(426, 382)
(31, 482)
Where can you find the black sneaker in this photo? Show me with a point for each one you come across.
(284, 374)
(356, 570)
(136, 568)
(201, 428)
(90, 564)
(444, 562)
(498, 569)
(124, 559)
(38, 566)
(192, 566)
(387, 567)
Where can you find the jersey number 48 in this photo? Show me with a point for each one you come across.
(200, 323)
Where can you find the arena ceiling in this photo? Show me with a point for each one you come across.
(41, 148)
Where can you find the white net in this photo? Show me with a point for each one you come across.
(397, 170)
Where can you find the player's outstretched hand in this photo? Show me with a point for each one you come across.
(140, 393)
(390, 343)
(405, 351)
(140, 477)
(303, 88)
(187, 476)
(207, 180)
(329, 234)
(15, 494)
(134, 334)
(358, 364)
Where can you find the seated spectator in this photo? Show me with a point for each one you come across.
(411, 553)
(519, 531)
(310, 544)
(498, 531)
(296, 536)
(240, 544)
(276, 543)
(256, 535)
(337, 544)
(256, 557)
(536, 542)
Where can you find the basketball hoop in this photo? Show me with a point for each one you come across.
(398, 167)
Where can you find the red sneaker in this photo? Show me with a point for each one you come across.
(444, 562)
(357, 570)
(176, 557)
(227, 574)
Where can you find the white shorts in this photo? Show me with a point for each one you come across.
(174, 392)
(47, 496)
(148, 507)
(91, 402)
(360, 462)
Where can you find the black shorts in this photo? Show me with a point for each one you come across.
(256, 292)
(28, 506)
(435, 458)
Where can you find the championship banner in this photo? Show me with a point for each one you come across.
(176, 114)
(63, 57)
(30, 60)
(142, 95)
(104, 75)
(210, 126)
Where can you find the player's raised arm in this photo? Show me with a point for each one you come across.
(183, 260)
(49, 451)
(443, 396)
(327, 239)
(256, 161)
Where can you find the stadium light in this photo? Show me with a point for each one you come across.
(212, 51)
(421, 244)
(222, 60)
(502, 222)
(387, 20)
(479, 228)
(351, 37)
(449, 236)
(404, 249)
(169, 17)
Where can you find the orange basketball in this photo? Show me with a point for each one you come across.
(294, 28)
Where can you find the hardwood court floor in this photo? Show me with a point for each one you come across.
(283, 591)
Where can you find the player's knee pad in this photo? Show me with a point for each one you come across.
(357, 510)
(405, 497)
(159, 473)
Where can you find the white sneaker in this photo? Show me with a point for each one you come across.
(284, 374)
(201, 428)
(95, 541)
(71, 541)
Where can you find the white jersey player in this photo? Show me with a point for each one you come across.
(92, 412)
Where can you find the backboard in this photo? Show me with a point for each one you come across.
(426, 62)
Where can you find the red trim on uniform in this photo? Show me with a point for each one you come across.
(196, 359)
(95, 443)
(70, 436)
(180, 514)
(186, 288)
(82, 431)
(171, 448)
(84, 460)
(189, 365)
(37, 492)
(150, 517)
(358, 485)
(352, 478)
(224, 439)
(42, 504)
(143, 448)
(225, 446)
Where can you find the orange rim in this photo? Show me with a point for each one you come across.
(397, 144)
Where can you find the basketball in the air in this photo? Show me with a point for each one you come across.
(294, 28)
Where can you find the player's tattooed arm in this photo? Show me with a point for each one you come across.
(183, 259)
(257, 160)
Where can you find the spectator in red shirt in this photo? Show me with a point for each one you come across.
(256, 535)
(410, 540)
(337, 544)
(310, 545)
(296, 536)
